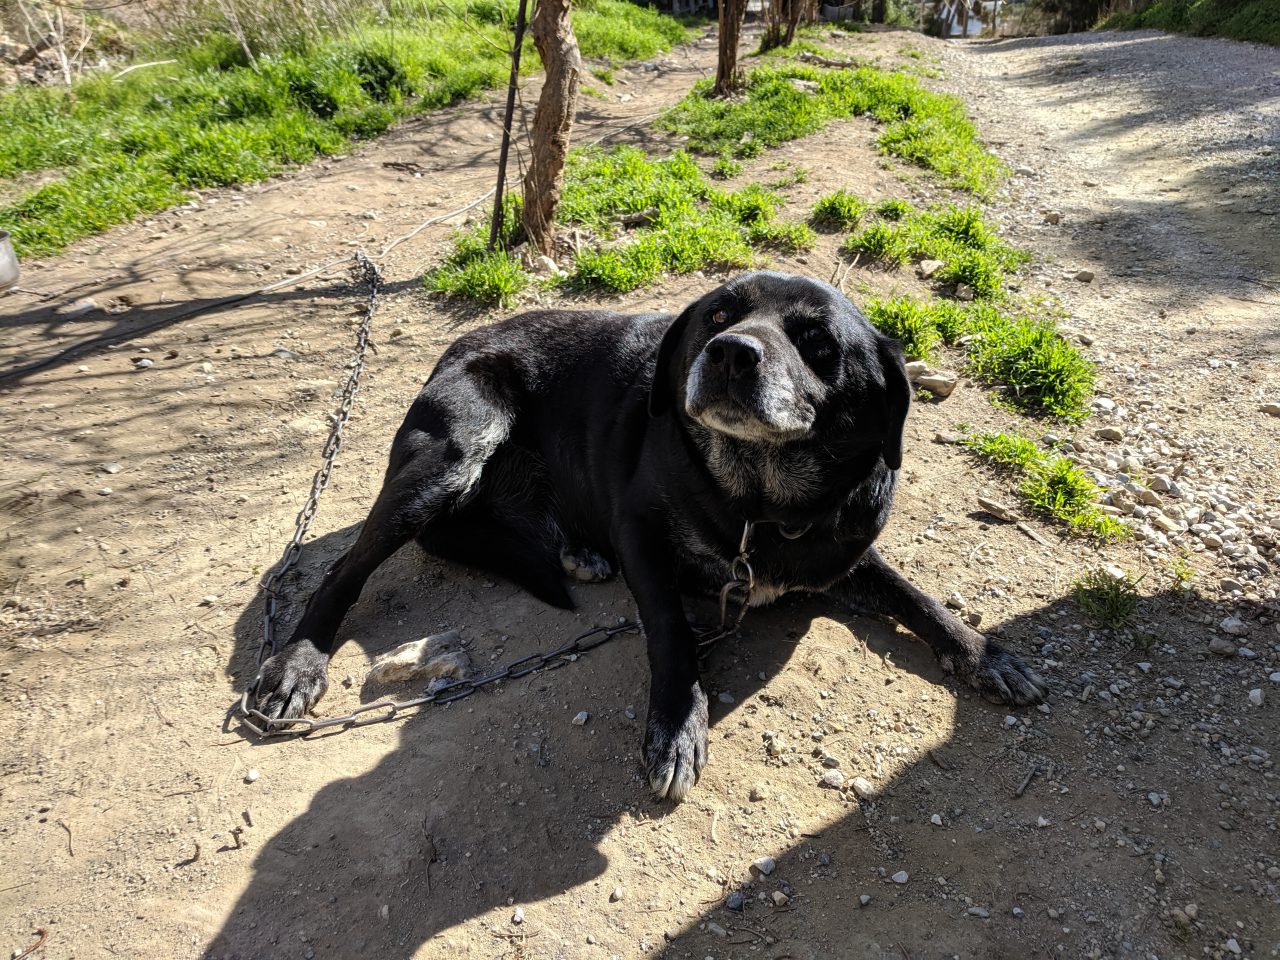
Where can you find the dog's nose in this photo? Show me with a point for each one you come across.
(735, 353)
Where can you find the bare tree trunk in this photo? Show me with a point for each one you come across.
(728, 77)
(553, 121)
(878, 11)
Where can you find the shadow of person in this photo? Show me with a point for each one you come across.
(497, 800)
(1011, 836)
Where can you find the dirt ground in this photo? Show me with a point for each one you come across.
(1133, 816)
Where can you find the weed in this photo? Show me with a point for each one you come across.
(881, 241)
(841, 210)
(1044, 373)
(605, 75)
(1111, 601)
(894, 209)
(908, 322)
(476, 273)
(1052, 485)
(1252, 20)
(787, 237)
(725, 168)
(1183, 573)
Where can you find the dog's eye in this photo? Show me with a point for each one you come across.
(720, 317)
(812, 337)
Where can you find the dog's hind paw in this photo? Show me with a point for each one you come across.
(290, 683)
(583, 563)
(675, 746)
(1002, 677)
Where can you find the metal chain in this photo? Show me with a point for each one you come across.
(445, 691)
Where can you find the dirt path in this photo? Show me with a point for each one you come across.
(130, 824)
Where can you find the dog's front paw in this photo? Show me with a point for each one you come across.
(290, 683)
(999, 675)
(675, 744)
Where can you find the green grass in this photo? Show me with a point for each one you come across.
(130, 148)
(474, 272)
(1051, 485)
(908, 321)
(969, 248)
(1111, 601)
(841, 210)
(688, 225)
(926, 128)
(1253, 20)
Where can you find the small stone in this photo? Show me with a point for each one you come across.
(1234, 626)
(956, 601)
(936, 819)
(284, 353)
(863, 788)
(629, 713)
(110, 468)
(1023, 170)
(726, 697)
(716, 930)
(1256, 696)
(864, 900)
(1089, 183)
(1231, 585)
(208, 600)
(964, 292)
(940, 383)
(1222, 647)
(1084, 276)
(79, 308)
(780, 899)
(735, 901)
(1273, 409)
(1154, 799)
(997, 510)
(950, 439)
(105, 491)
(833, 779)
(1275, 677)
(580, 718)
(901, 877)
(1010, 720)
(143, 363)
(1109, 433)
(982, 912)
(384, 911)
(1018, 912)
(1052, 217)
(1233, 947)
(518, 916)
(764, 866)
(616, 894)
(830, 762)
(759, 792)
(1043, 822)
(928, 268)
(252, 776)
(1192, 911)
(974, 619)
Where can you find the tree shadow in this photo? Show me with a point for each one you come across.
(499, 801)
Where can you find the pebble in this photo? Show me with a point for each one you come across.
(1109, 433)
(1052, 217)
(252, 776)
(105, 491)
(716, 930)
(997, 510)
(759, 792)
(940, 383)
(1010, 720)
(1256, 697)
(833, 779)
(1043, 822)
(142, 363)
(780, 899)
(79, 308)
(726, 697)
(1222, 647)
(864, 900)
(1272, 409)
(765, 866)
(1275, 677)
(901, 877)
(581, 718)
(1234, 626)
(956, 602)
(936, 819)
(629, 713)
(1018, 912)
(735, 901)
(982, 912)
(616, 894)
(927, 268)
(518, 916)
(1084, 276)
(863, 788)
(1024, 171)
(110, 468)
(1233, 946)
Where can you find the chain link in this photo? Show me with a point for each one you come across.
(443, 691)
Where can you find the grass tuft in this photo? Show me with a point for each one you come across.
(1110, 600)
(786, 101)
(1051, 485)
(841, 210)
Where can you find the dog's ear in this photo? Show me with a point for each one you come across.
(663, 386)
(897, 400)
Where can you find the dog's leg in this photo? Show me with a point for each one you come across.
(675, 737)
(874, 586)
(437, 457)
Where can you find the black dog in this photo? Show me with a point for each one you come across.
(562, 443)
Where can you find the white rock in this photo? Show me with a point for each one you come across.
(863, 788)
(864, 900)
(936, 819)
(580, 718)
(1256, 697)
(928, 268)
(764, 866)
(1043, 822)
(901, 877)
(997, 509)
(518, 916)
(1233, 947)
(780, 899)
(833, 779)
(940, 383)
(1275, 677)
(616, 894)
(976, 911)
(252, 776)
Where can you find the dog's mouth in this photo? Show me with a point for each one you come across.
(759, 408)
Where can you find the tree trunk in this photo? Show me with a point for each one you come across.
(878, 11)
(728, 77)
(553, 121)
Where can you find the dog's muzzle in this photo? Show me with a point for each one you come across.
(735, 388)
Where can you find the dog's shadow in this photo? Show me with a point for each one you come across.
(500, 801)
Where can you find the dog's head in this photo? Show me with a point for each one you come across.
(775, 359)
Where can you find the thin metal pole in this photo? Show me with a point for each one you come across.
(496, 224)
